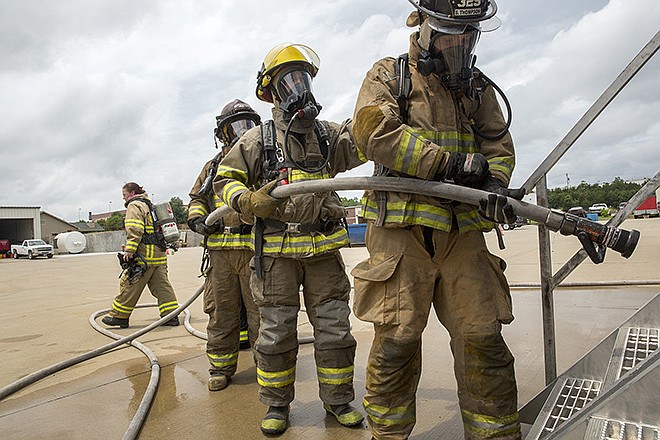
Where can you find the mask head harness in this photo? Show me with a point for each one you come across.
(448, 35)
(234, 120)
(285, 78)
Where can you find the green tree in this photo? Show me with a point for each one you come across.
(180, 213)
(350, 202)
(113, 223)
(586, 194)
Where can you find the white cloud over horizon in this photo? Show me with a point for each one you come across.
(96, 94)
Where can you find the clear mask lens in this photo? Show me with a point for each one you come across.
(237, 128)
(457, 50)
(294, 82)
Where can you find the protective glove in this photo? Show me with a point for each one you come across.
(496, 208)
(466, 169)
(259, 203)
(493, 185)
(198, 224)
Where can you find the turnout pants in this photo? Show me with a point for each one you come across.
(410, 270)
(129, 294)
(227, 288)
(326, 291)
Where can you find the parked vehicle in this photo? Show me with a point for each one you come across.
(5, 247)
(578, 210)
(598, 208)
(32, 249)
(648, 208)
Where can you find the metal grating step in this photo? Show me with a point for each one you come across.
(574, 395)
(621, 430)
(640, 343)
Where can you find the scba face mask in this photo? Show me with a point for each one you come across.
(448, 51)
(294, 89)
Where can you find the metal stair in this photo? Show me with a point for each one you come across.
(611, 393)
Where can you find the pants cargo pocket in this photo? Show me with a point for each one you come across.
(501, 290)
(377, 290)
(209, 299)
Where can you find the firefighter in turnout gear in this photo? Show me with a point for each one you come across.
(430, 114)
(233, 315)
(296, 239)
(142, 245)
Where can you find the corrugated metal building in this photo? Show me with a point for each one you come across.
(18, 223)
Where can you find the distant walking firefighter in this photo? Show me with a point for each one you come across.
(145, 260)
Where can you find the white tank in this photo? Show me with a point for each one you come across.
(72, 242)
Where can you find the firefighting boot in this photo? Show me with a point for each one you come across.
(276, 420)
(218, 382)
(172, 322)
(111, 321)
(345, 414)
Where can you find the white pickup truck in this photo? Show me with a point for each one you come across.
(32, 249)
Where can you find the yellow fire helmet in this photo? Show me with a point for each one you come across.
(280, 55)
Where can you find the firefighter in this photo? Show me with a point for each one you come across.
(430, 114)
(296, 239)
(146, 252)
(233, 315)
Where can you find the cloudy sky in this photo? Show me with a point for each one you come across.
(99, 93)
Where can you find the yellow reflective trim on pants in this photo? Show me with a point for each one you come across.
(487, 426)
(276, 379)
(223, 360)
(122, 308)
(382, 415)
(335, 376)
(244, 335)
(167, 307)
(305, 244)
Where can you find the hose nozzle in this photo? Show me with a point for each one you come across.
(595, 237)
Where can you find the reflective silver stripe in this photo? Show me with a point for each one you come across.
(222, 360)
(335, 376)
(382, 415)
(488, 426)
(276, 379)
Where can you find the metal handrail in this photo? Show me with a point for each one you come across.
(538, 180)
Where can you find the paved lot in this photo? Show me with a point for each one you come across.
(45, 306)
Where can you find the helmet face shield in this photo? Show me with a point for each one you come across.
(293, 82)
(237, 128)
(455, 46)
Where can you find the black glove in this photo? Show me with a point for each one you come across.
(198, 225)
(466, 169)
(493, 185)
(496, 208)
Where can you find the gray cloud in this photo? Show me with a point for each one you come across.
(99, 93)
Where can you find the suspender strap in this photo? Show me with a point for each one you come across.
(258, 246)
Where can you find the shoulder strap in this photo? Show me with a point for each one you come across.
(404, 85)
(322, 135)
(269, 150)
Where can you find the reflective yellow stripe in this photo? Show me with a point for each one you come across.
(335, 376)
(504, 164)
(222, 360)
(231, 190)
(231, 173)
(131, 246)
(296, 175)
(196, 211)
(487, 426)
(305, 244)
(382, 415)
(276, 379)
(132, 222)
(118, 307)
(229, 241)
(244, 335)
(167, 307)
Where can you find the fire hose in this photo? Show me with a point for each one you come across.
(594, 237)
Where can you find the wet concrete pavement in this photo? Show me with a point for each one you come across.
(45, 306)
